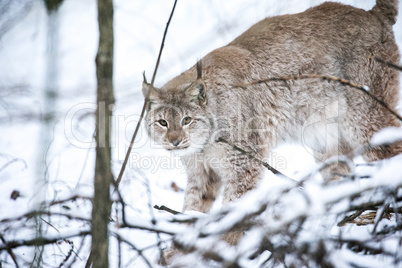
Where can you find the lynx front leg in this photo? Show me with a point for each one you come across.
(383, 151)
(201, 192)
(336, 169)
(202, 186)
(240, 176)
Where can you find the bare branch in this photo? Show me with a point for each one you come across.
(34, 213)
(163, 43)
(249, 155)
(123, 167)
(139, 251)
(10, 252)
(361, 88)
(70, 252)
(39, 241)
(153, 221)
(72, 198)
(12, 161)
(148, 227)
(164, 208)
(350, 217)
(389, 64)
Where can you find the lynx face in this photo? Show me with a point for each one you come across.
(178, 121)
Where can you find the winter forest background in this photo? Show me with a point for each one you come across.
(47, 150)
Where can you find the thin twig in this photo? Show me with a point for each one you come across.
(153, 221)
(139, 251)
(163, 44)
(147, 228)
(164, 208)
(12, 162)
(362, 88)
(379, 216)
(123, 204)
(372, 205)
(249, 155)
(89, 261)
(350, 217)
(389, 64)
(363, 245)
(77, 253)
(390, 229)
(72, 198)
(70, 252)
(119, 249)
(85, 161)
(34, 213)
(39, 241)
(123, 167)
(48, 223)
(10, 252)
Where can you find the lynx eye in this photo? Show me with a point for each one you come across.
(186, 120)
(163, 123)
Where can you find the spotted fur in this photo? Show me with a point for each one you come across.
(331, 118)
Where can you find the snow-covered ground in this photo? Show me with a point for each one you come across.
(66, 144)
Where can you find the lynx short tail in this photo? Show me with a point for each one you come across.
(388, 9)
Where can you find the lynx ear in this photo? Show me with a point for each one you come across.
(146, 87)
(147, 90)
(197, 89)
(196, 92)
(150, 92)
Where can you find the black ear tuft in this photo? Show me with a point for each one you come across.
(199, 69)
(145, 78)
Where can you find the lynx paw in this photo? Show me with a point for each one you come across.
(233, 237)
(168, 256)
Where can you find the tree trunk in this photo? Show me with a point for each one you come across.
(48, 120)
(105, 101)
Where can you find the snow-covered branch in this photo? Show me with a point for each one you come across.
(293, 225)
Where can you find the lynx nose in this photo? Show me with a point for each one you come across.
(175, 142)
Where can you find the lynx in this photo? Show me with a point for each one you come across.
(190, 114)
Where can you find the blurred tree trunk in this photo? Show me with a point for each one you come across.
(48, 119)
(105, 101)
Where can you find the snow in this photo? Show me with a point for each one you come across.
(197, 27)
(387, 136)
